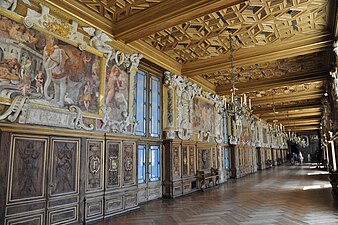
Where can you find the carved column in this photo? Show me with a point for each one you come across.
(168, 103)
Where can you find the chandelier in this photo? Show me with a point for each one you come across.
(275, 128)
(292, 136)
(239, 106)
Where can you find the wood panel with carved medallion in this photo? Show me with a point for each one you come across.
(94, 165)
(113, 162)
(129, 163)
(192, 161)
(185, 161)
(176, 162)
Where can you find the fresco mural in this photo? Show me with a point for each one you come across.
(117, 90)
(203, 116)
(47, 70)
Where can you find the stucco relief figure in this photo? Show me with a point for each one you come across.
(99, 40)
(12, 4)
(54, 59)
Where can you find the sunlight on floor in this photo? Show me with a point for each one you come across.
(316, 186)
(318, 173)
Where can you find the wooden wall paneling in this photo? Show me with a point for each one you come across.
(4, 152)
(129, 170)
(94, 165)
(167, 169)
(64, 182)
(113, 203)
(177, 169)
(113, 195)
(130, 199)
(176, 162)
(204, 157)
(113, 162)
(26, 187)
(94, 178)
(192, 160)
(185, 161)
(129, 163)
(188, 168)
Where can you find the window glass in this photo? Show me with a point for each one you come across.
(154, 163)
(226, 158)
(141, 103)
(155, 107)
(141, 172)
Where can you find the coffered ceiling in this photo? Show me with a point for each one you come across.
(282, 48)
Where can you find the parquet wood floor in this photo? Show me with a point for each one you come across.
(285, 195)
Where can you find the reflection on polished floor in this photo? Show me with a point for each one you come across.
(283, 195)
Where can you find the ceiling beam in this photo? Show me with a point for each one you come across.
(265, 84)
(301, 45)
(165, 15)
(300, 128)
(294, 112)
(297, 96)
(286, 108)
(302, 123)
(296, 116)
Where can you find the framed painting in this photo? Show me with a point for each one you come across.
(47, 68)
(203, 115)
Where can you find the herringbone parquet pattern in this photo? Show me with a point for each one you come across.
(281, 196)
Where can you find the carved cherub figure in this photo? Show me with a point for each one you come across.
(99, 40)
(12, 4)
(335, 47)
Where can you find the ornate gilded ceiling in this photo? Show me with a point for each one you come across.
(286, 90)
(272, 69)
(252, 23)
(115, 10)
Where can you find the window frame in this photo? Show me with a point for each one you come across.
(151, 71)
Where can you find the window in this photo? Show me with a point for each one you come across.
(141, 170)
(141, 103)
(154, 163)
(148, 104)
(155, 107)
(226, 159)
(149, 163)
(225, 128)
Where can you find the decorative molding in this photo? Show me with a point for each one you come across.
(12, 4)
(14, 109)
(78, 123)
(114, 126)
(55, 25)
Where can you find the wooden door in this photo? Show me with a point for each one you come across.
(63, 185)
(26, 185)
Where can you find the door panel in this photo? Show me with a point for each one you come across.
(63, 198)
(113, 152)
(26, 190)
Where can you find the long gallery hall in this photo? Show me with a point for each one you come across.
(284, 195)
(154, 112)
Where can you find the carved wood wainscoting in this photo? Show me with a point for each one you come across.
(179, 166)
(181, 161)
(247, 160)
(62, 178)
